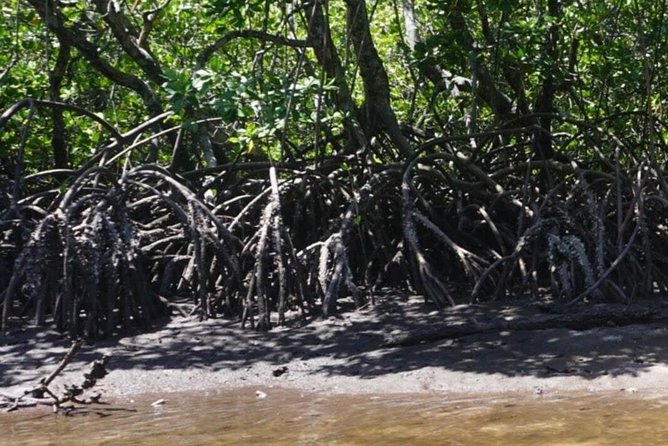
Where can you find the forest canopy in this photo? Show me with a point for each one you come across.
(257, 159)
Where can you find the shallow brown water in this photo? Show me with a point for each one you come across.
(290, 418)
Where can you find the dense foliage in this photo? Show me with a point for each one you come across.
(249, 158)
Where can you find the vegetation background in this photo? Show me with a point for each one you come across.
(249, 158)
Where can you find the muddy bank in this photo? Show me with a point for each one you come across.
(356, 353)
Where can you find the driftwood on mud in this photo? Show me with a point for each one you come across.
(600, 315)
(42, 394)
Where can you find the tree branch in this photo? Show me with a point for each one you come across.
(120, 27)
(209, 51)
(75, 36)
(27, 103)
(499, 102)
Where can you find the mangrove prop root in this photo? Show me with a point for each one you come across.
(109, 246)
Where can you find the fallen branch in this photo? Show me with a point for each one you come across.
(69, 356)
(37, 394)
(599, 315)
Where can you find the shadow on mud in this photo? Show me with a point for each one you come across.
(474, 338)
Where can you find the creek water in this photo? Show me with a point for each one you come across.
(291, 418)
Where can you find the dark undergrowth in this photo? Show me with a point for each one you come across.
(114, 244)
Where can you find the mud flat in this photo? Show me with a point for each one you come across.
(400, 345)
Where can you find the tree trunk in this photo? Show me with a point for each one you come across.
(58, 143)
(320, 37)
(545, 100)
(378, 113)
